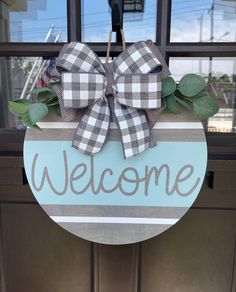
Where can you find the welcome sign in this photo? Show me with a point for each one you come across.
(107, 199)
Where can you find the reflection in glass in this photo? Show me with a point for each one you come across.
(203, 21)
(31, 20)
(18, 77)
(220, 75)
(139, 25)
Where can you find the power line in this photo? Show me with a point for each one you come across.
(38, 29)
(187, 7)
(64, 17)
(46, 19)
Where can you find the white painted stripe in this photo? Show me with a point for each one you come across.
(159, 125)
(57, 125)
(112, 220)
(178, 125)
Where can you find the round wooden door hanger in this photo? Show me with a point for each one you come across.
(107, 199)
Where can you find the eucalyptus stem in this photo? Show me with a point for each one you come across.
(187, 98)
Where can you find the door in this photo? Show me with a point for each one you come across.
(198, 253)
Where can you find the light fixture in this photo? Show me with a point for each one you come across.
(130, 5)
(133, 6)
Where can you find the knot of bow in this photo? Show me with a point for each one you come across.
(136, 87)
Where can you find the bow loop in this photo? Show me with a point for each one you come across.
(137, 59)
(134, 82)
(82, 89)
(79, 58)
(141, 91)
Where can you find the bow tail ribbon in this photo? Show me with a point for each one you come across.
(87, 90)
(92, 130)
(134, 128)
(133, 94)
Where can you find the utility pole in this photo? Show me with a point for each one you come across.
(234, 98)
(212, 14)
(200, 19)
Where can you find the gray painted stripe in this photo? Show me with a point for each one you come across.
(114, 233)
(114, 135)
(116, 211)
(164, 117)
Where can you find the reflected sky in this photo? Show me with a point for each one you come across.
(220, 66)
(30, 21)
(96, 22)
(203, 21)
(191, 20)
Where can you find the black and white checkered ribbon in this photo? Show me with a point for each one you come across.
(136, 88)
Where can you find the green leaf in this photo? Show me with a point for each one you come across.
(44, 97)
(27, 122)
(184, 103)
(41, 90)
(53, 104)
(171, 105)
(36, 112)
(23, 101)
(43, 94)
(53, 101)
(19, 106)
(201, 94)
(205, 107)
(57, 111)
(191, 84)
(53, 84)
(168, 87)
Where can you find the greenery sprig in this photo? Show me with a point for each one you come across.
(189, 93)
(33, 110)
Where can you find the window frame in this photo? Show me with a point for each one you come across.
(167, 48)
(163, 27)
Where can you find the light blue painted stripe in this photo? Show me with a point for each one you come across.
(176, 154)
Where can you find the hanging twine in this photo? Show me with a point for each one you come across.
(109, 44)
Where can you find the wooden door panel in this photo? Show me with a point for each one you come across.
(116, 268)
(196, 255)
(2, 267)
(39, 255)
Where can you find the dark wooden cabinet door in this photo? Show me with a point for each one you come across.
(196, 255)
(40, 256)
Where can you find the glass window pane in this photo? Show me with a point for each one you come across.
(31, 20)
(220, 74)
(203, 21)
(139, 25)
(20, 75)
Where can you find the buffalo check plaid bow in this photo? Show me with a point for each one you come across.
(136, 88)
